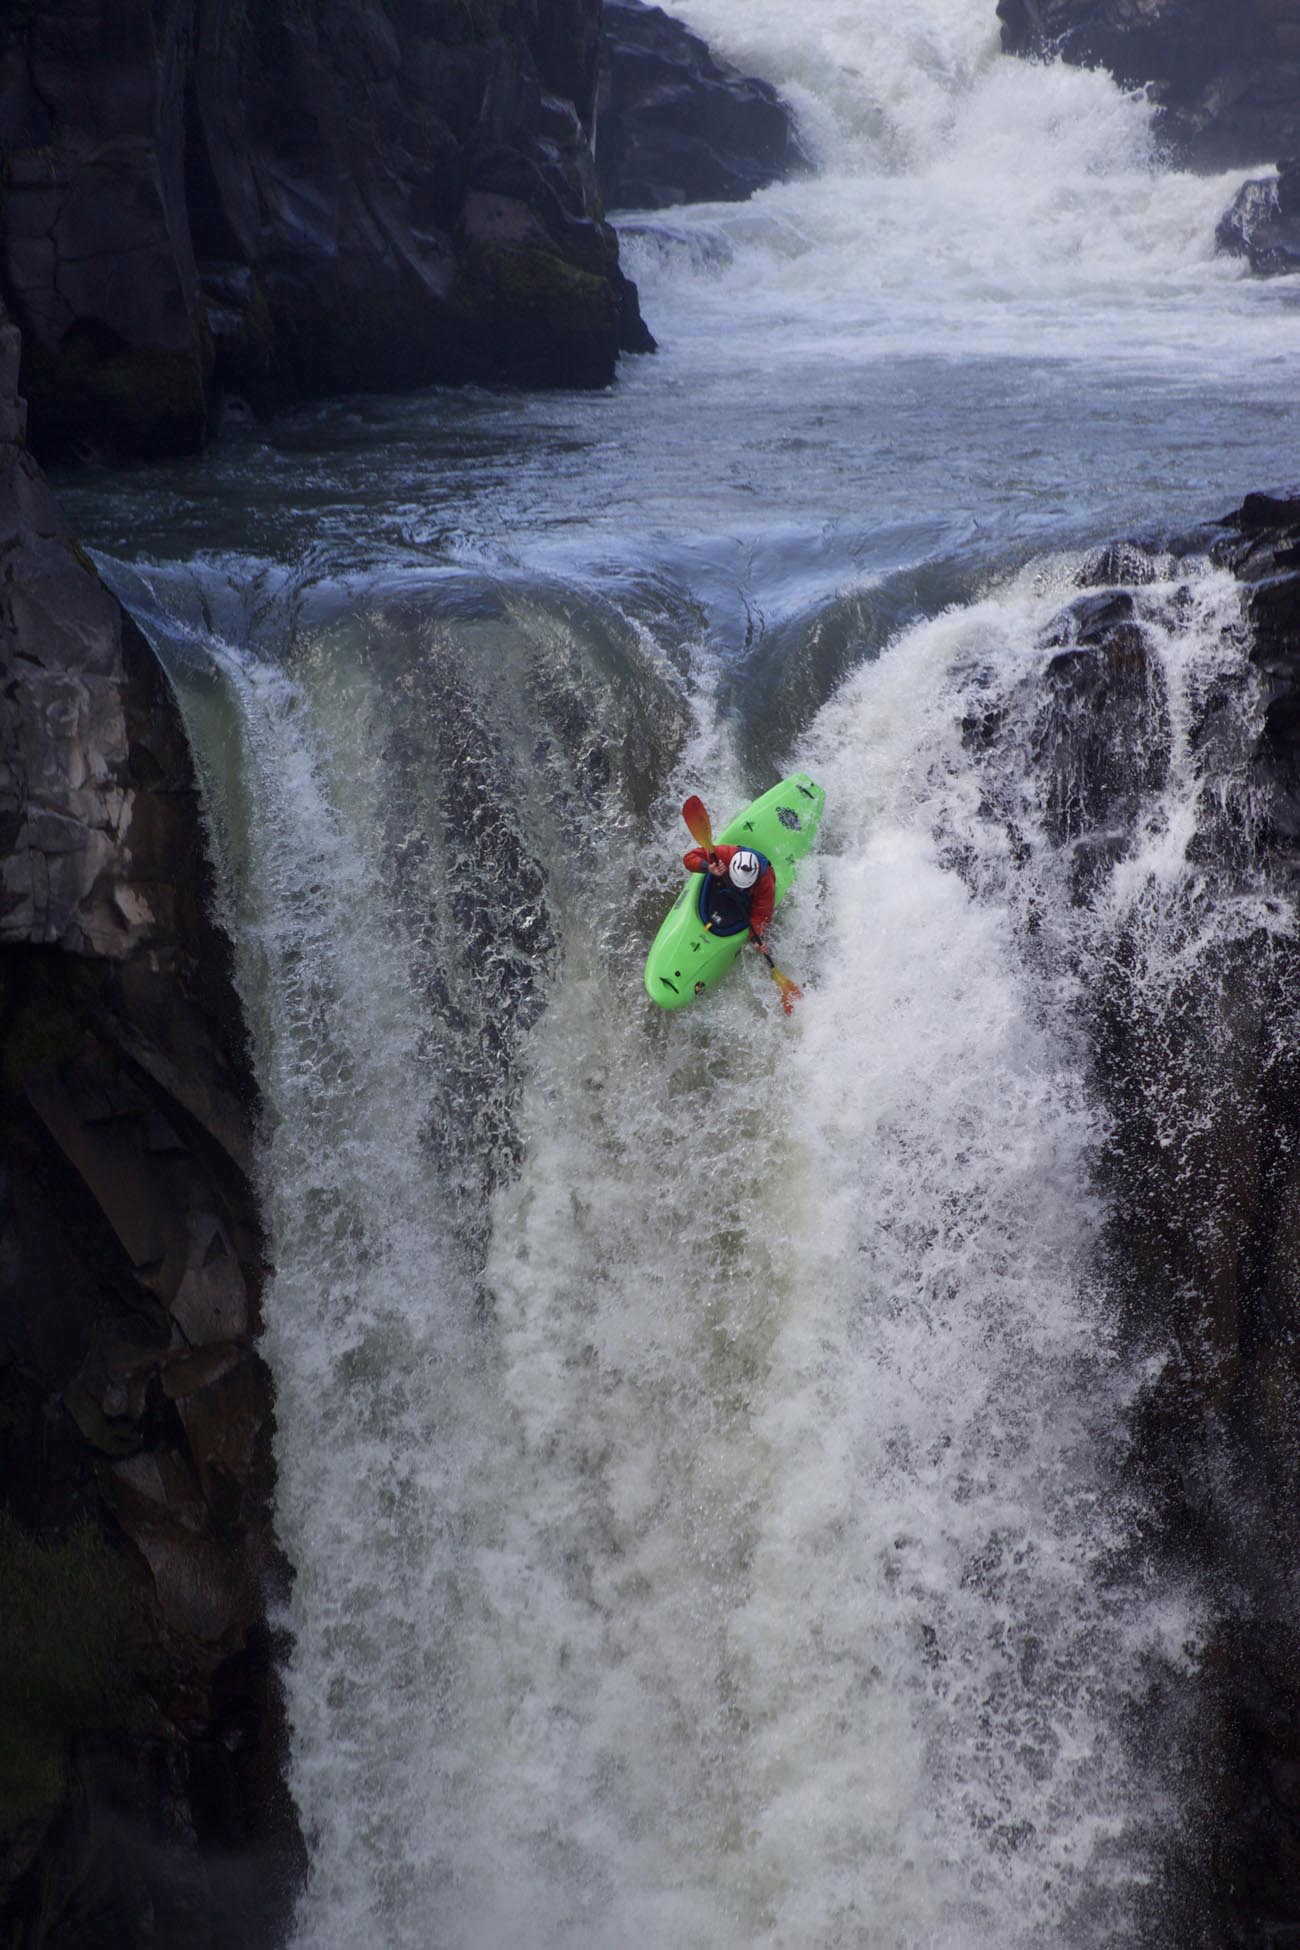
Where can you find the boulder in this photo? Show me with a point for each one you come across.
(1263, 223)
(281, 202)
(1226, 78)
(141, 1789)
(675, 125)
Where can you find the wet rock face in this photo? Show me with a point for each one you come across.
(1227, 78)
(143, 1724)
(677, 126)
(83, 864)
(1165, 706)
(96, 261)
(1263, 223)
(1102, 743)
(284, 201)
(1261, 545)
(1195, 1059)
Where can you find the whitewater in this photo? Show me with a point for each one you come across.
(703, 1441)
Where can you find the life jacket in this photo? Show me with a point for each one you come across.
(724, 908)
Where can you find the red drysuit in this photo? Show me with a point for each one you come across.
(762, 897)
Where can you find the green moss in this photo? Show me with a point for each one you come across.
(18, 18)
(456, 23)
(143, 389)
(79, 556)
(125, 400)
(38, 1043)
(539, 285)
(68, 1624)
(258, 322)
(42, 1026)
(243, 359)
(459, 23)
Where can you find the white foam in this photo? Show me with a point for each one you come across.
(964, 201)
(735, 1563)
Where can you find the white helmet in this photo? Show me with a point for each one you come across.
(743, 868)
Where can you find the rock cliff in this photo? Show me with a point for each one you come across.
(1196, 1064)
(141, 1795)
(291, 200)
(1227, 78)
(675, 125)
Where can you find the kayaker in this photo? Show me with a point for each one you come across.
(743, 890)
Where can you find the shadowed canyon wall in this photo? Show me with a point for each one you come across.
(1227, 78)
(206, 199)
(140, 1785)
(1195, 1065)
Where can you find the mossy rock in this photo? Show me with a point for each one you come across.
(245, 348)
(43, 1024)
(461, 23)
(16, 21)
(116, 400)
(544, 284)
(71, 1624)
(540, 319)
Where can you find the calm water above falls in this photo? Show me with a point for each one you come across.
(699, 1439)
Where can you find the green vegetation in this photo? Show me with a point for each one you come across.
(459, 22)
(42, 1023)
(543, 288)
(139, 401)
(17, 20)
(68, 1624)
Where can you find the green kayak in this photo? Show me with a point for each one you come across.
(687, 957)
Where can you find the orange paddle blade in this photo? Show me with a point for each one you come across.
(790, 991)
(697, 823)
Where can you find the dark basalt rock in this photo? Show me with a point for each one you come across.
(141, 1779)
(1186, 1019)
(1227, 78)
(677, 126)
(1260, 543)
(1263, 223)
(1101, 743)
(1198, 1076)
(285, 201)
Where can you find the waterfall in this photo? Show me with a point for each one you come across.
(965, 202)
(716, 1452)
(703, 1440)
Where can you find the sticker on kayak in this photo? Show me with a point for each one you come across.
(789, 818)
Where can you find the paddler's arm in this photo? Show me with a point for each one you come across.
(700, 858)
(760, 909)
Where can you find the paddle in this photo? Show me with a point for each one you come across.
(700, 829)
(790, 990)
(697, 823)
